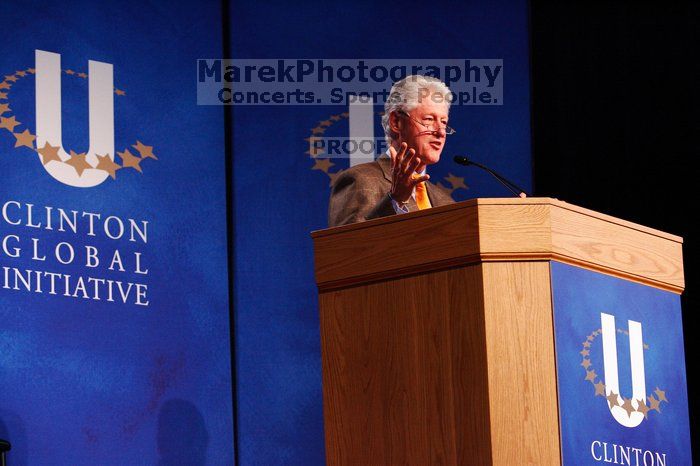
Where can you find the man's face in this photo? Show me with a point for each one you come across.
(427, 144)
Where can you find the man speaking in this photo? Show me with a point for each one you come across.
(415, 126)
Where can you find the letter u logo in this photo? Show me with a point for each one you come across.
(612, 384)
(48, 118)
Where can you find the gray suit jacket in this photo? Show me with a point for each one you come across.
(362, 193)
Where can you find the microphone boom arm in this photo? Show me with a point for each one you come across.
(512, 187)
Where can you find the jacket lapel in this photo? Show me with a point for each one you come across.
(385, 163)
(438, 195)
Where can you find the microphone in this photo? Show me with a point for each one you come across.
(512, 187)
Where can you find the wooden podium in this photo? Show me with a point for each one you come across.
(437, 328)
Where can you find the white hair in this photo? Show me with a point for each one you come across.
(406, 94)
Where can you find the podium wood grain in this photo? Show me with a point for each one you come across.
(522, 375)
(404, 371)
(483, 230)
(437, 329)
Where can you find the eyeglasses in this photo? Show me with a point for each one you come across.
(432, 127)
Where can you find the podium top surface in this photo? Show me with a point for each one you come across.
(497, 229)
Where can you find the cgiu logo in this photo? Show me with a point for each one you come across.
(612, 382)
(84, 170)
(629, 412)
(101, 118)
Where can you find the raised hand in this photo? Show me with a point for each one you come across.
(403, 167)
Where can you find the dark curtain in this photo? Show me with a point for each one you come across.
(616, 124)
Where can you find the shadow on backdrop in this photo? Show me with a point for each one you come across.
(182, 435)
(12, 430)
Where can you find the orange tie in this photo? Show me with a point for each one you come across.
(422, 196)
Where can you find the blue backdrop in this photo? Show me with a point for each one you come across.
(579, 298)
(86, 382)
(281, 194)
(97, 382)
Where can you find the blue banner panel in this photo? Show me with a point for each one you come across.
(114, 323)
(281, 185)
(621, 371)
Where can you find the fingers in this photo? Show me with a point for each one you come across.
(400, 156)
(413, 164)
(392, 154)
(402, 149)
(420, 179)
(406, 162)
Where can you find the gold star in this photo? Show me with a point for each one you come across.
(586, 363)
(642, 408)
(586, 344)
(653, 403)
(660, 394)
(70, 72)
(3, 95)
(318, 130)
(9, 123)
(612, 399)
(5, 85)
(335, 117)
(81, 75)
(144, 150)
(11, 77)
(439, 183)
(25, 138)
(456, 181)
(4, 108)
(585, 352)
(21, 73)
(107, 164)
(130, 160)
(119, 92)
(627, 406)
(49, 153)
(78, 162)
(646, 346)
(31, 70)
(589, 338)
(590, 375)
(345, 114)
(322, 164)
(325, 123)
(600, 389)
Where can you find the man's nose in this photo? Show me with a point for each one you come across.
(441, 131)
